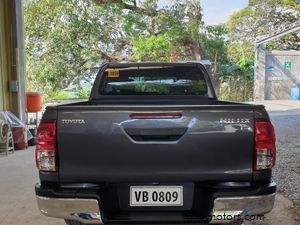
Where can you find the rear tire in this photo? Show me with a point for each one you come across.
(236, 222)
(73, 222)
(31, 142)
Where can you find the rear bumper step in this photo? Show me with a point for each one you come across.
(88, 211)
(224, 205)
(227, 209)
(82, 210)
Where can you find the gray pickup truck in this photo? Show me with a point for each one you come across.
(154, 145)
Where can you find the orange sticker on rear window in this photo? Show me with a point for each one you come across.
(112, 73)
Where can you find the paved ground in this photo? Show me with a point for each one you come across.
(281, 107)
(18, 174)
(17, 201)
(285, 116)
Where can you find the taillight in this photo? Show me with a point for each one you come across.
(45, 154)
(265, 149)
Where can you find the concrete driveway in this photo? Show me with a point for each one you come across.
(18, 176)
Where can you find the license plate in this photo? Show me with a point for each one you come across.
(156, 196)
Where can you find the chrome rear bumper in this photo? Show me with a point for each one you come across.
(83, 210)
(226, 209)
(87, 210)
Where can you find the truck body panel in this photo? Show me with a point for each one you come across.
(102, 143)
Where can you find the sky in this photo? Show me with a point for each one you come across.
(218, 11)
(215, 11)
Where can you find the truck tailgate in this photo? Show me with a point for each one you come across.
(202, 143)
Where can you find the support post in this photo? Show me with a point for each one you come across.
(259, 73)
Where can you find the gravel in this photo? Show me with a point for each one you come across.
(287, 170)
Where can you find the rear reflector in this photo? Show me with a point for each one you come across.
(155, 115)
(46, 155)
(265, 149)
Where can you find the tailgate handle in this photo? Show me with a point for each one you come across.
(175, 115)
(155, 138)
(170, 134)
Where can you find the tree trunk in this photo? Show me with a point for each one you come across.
(245, 89)
(215, 77)
(229, 89)
(197, 51)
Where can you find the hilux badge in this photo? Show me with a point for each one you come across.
(234, 120)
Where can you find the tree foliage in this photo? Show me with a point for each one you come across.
(214, 44)
(66, 41)
(232, 64)
(263, 18)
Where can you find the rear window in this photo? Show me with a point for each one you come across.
(153, 81)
